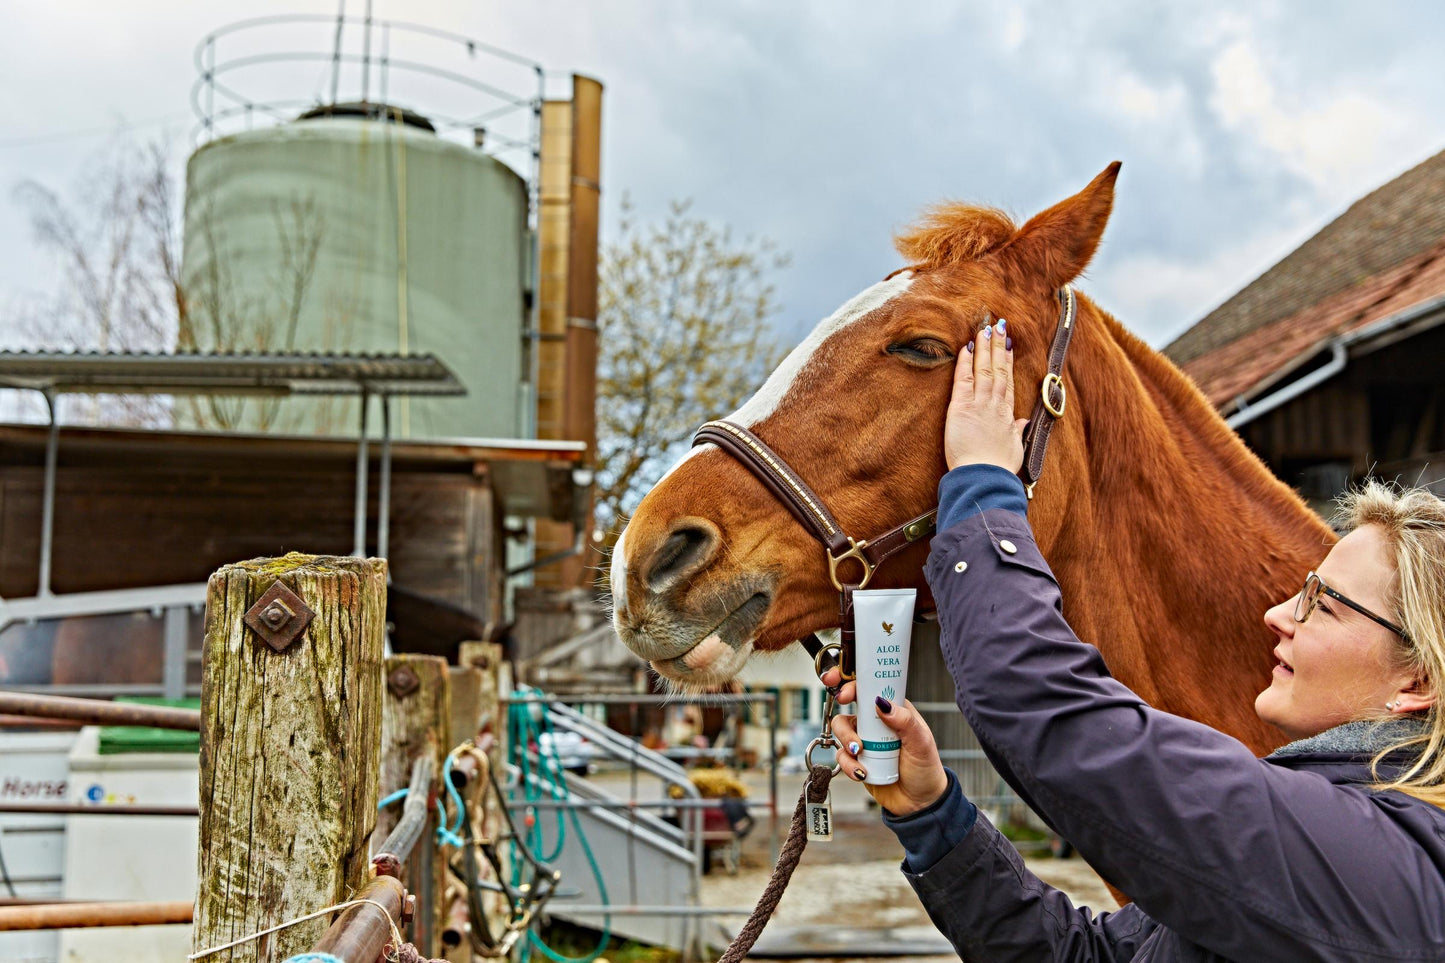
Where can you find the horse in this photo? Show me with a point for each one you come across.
(1168, 536)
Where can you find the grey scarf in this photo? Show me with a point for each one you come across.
(1361, 738)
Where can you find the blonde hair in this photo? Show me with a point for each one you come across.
(1413, 522)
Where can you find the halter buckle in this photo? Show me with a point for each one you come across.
(1054, 380)
(855, 551)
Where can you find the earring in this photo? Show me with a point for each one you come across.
(1391, 705)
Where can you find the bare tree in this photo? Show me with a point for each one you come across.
(119, 285)
(116, 249)
(222, 314)
(683, 318)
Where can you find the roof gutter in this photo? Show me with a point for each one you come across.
(1339, 358)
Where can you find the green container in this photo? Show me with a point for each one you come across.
(118, 739)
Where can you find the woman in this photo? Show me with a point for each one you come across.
(1332, 848)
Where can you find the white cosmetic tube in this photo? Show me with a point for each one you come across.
(883, 620)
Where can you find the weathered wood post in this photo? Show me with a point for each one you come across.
(492, 718)
(416, 718)
(465, 684)
(290, 747)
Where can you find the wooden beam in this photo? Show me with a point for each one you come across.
(416, 717)
(290, 752)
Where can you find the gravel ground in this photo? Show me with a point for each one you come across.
(850, 891)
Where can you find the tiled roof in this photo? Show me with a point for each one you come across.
(1269, 351)
(1384, 230)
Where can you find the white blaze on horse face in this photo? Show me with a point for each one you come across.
(619, 574)
(773, 391)
(776, 388)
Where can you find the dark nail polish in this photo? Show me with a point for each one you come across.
(853, 748)
(884, 706)
(1008, 344)
(970, 347)
(860, 774)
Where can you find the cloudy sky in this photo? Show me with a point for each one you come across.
(825, 126)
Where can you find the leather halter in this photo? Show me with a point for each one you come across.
(805, 505)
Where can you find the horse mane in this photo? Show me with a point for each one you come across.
(953, 233)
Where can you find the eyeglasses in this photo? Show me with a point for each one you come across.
(1309, 599)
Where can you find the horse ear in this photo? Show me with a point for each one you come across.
(1055, 246)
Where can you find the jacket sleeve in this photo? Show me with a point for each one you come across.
(1247, 859)
(993, 910)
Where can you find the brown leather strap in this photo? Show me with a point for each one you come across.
(779, 479)
(1052, 396)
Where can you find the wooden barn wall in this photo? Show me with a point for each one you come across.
(1332, 422)
(126, 520)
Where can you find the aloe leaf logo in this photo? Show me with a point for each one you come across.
(889, 693)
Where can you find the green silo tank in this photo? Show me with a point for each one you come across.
(354, 235)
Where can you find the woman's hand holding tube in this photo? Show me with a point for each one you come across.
(921, 777)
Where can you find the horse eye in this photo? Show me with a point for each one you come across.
(924, 351)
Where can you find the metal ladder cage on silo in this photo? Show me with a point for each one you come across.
(464, 89)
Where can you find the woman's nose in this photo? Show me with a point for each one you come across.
(1280, 618)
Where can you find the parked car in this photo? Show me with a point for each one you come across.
(571, 751)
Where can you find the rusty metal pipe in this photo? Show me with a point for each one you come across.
(397, 846)
(464, 770)
(64, 916)
(361, 932)
(99, 711)
(458, 925)
(36, 722)
(93, 809)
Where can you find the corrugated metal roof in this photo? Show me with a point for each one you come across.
(239, 373)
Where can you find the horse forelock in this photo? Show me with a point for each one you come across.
(950, 234)
(770, 396)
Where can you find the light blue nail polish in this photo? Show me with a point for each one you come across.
(988, 332)
(1001, 323)
(853, 748)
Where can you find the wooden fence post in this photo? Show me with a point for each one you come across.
(491, 717)
(416, 718)
(290, 741)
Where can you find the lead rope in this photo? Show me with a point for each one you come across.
(814, 791)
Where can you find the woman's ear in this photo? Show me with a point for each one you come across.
(1055, 246)
(1418, 696)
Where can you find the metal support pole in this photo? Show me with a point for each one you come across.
(358, 542)
(366, 56)
(97, 712)
(383, 494)
(65, 916)
(174, 677)
(336, 52)
(47, 503)
(773, 710)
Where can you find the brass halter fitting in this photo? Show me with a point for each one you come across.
(855, 551)
(1052, 380)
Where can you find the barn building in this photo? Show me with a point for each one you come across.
(1329, 363)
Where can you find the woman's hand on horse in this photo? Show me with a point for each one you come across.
(981, 428)
(921, 779)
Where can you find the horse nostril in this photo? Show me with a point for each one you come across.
(686, 550)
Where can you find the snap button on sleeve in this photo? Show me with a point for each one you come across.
(1008, 546)
(961, 567)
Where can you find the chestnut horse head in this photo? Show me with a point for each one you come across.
(712, 568)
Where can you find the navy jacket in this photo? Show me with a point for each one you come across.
(1226, 856)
